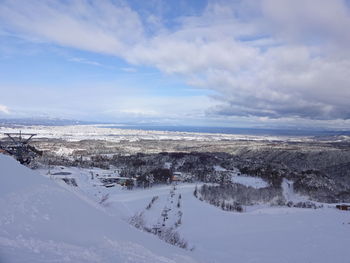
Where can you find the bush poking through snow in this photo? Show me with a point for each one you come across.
(103, 200)
(137, 221)
(167, 234)
(154, 198)
(195, 193)
(172, 237)
(179, 220)
(70, 181)
(306, 204)
(179, 201)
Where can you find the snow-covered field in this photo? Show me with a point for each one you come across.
(238, 178)
(42, 219)
(103, 132)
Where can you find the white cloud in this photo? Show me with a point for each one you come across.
(173, 107)
(4, 109)
(321, 20)
(129, 69)
(290, 75)
(98, 26)
(267, 58)
(85, 61)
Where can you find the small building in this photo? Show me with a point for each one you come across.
(177, 177)
(117, 180)
(62, 173)
(343, 207)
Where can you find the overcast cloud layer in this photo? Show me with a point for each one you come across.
(262, 58)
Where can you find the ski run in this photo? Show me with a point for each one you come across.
(45, 219)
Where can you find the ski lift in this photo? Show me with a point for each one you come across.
(18, 146)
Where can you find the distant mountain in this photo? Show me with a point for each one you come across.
(259, 131)
(42, 121)
(236, 130)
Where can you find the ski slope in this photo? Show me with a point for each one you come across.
(45, 220)
(41, 221)
(278, 234)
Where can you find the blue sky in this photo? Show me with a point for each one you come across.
(229, 63)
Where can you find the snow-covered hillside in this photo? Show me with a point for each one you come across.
(268, 235)
(45, 220)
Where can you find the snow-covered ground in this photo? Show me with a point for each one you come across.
(103, 132)
(255, 182)
(237, 177)
(40, 221)
(275, 234)
(45, 220)
(288, 192)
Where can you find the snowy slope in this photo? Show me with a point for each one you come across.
(268, 235)
(43, 222)
(289, 193)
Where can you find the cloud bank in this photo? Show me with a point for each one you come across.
(4, 109)
(265, 58)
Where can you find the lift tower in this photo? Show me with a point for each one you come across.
(17, 144)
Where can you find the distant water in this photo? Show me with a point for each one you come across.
(231, 130)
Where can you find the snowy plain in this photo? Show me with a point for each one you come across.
(42, 219)
(104, 132)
